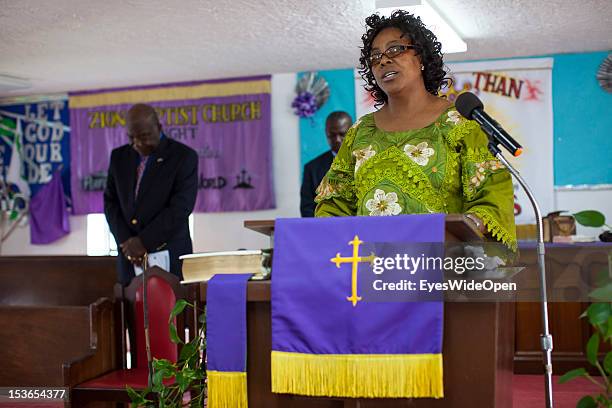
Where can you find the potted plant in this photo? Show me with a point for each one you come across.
(188, 387)
(600, 317)
(592, 218)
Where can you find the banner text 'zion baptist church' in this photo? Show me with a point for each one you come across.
(228, 123)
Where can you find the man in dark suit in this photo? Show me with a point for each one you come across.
(336, 126)
(151, 190)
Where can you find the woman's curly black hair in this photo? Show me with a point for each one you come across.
(428, 47)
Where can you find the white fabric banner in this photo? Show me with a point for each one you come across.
(518, 94)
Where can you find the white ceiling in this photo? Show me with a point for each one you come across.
(64, 45)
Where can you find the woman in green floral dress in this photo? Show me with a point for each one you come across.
(415, 154)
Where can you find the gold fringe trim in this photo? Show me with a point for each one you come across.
(227, 389)
(358, 375)
(496, 229)
(171, 93)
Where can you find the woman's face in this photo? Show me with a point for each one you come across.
(394, 74)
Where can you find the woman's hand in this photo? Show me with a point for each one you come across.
(477, 221)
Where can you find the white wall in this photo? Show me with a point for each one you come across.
(74, 243)
(213, 231)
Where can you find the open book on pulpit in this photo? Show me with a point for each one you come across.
(203, 266)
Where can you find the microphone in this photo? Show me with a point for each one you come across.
(469, 106)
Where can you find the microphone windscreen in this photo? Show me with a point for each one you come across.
(466, 103)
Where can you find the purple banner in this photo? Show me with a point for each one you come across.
(49, 220)
(227, 122)
(226, 336)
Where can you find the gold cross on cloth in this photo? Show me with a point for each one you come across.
(354, 260)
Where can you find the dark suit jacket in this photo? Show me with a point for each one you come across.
(167, 194)
(314, 171)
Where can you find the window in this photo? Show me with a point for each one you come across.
(100, 241)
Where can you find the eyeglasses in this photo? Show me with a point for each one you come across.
(391, 52)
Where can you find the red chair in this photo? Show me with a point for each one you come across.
(164, 289)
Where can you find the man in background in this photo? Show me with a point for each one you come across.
(150, 192)
(336, 126)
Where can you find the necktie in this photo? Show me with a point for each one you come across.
(139, 172)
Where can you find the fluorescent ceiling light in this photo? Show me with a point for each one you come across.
(451, 42)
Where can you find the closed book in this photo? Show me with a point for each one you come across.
(203, 266)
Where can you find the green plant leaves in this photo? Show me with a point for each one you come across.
(159, 376)
(607, 363)
(604, 329)
(173, 334)
(137, 399)
(187, 351)
(188, 372)
(587, 402)
(163, 364)
(593, 348)
(602, 278)
(185, 377)
(603, 293)
(600, 317)
(178, 308)
(182, 380)
(570, 375)
(590, 218)
(599, 313)
(603, 401)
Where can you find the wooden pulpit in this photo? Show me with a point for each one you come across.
(478, 348)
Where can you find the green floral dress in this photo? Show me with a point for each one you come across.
(442, 168)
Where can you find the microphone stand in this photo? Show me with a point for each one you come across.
(546, 340)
